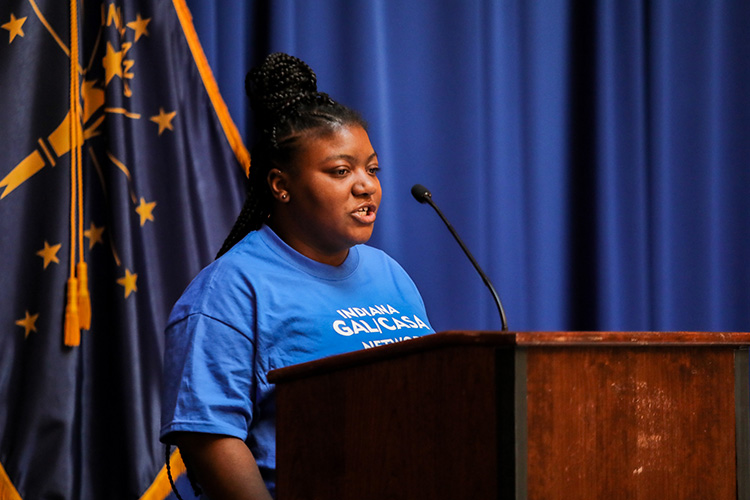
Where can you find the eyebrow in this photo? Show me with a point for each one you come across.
(349, 157)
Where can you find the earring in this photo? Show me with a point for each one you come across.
(283, 196)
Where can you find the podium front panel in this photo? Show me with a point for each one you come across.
(419, 426)
(631, 422)
(536, 415)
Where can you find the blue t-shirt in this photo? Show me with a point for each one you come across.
(263, 306)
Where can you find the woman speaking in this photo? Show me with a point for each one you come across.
(293, 282)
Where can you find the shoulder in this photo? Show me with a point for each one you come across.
(227, 283)
(374, 257)
(379, 267)
(366, 252)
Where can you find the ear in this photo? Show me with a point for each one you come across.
(277, 181)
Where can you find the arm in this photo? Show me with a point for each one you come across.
(224, 466)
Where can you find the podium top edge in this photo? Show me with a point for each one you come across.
(633, 338)
(562, 339)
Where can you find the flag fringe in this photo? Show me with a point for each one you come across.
(161, 488)
(220, 107)
(7, 490)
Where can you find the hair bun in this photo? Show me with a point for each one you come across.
(278, 84)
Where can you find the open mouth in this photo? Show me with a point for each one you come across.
(365, 214)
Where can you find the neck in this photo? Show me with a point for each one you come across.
(288, 235)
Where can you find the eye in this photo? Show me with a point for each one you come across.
(340, 171)
(373, 169)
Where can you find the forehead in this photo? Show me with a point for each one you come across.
(345, 140)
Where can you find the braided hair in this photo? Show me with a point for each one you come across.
(288, 110)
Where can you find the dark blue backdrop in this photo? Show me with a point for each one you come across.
(593, 155)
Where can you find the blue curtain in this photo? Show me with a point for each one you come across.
(593, 155)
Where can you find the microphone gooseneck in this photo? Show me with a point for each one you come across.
(423, 195)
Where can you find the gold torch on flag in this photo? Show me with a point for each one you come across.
(121, 171)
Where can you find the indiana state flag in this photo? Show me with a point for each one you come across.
(120, 175)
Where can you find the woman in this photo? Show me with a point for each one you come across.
(293, 283)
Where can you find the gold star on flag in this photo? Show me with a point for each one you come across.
(140, 26)
(128, 281)
(94, 235)
(14, 26)
(164, 120)
(112, 63)
(29, 323)
(49, 253)
(145, 210)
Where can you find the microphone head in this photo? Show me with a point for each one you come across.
(420, 193)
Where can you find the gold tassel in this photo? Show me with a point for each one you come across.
(72, 325)
(72, 333)
(84, 299)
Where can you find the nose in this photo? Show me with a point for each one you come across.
(365, 184)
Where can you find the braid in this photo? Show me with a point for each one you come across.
(239, 228)
(167, 459)
(256, 208)
(286, 104)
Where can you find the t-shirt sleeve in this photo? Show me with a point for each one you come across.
(208, 378)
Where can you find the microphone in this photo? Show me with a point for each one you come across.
(423, 195)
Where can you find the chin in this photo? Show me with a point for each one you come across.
(362, 237)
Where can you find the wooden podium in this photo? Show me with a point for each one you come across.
(538, 415)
